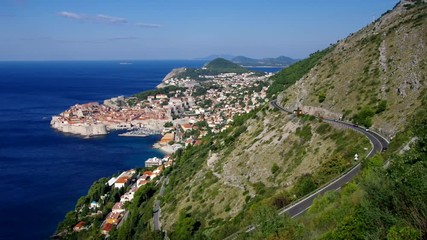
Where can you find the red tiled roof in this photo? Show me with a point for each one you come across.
(79, 225)
(122, 180)
(107, 227)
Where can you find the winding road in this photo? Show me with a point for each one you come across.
(378, 142)
(156, 208)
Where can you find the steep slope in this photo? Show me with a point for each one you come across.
(378, 72)
(375, 76)
(267, 157)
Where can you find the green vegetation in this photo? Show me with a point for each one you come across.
(137, 225)
(195, 221)
(364, 117)
(168, 124)
(169, 91)
(304, 185)
(215, 67)
(186, 228)
(382, 106)
(382, 203)
(304, 133)
(365, 114)
(220, 65)
(415, 4)
(293, 73)
(322, 97)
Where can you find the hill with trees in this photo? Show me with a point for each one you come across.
(214, 67)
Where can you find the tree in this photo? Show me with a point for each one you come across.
(381, 107)
(364, 117)
(408, 233)
(185, 227)
(168, 124)
(304, 185)
(275, 168)
(69, 221)
(322, 97)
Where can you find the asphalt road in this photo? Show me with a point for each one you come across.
(156, 208)
(156, 215)
(379, 144)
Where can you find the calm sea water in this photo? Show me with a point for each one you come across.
(44, 172)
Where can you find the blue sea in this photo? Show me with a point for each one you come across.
(43, 172)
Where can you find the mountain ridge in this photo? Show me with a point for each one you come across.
(378, 70)
(280, 62)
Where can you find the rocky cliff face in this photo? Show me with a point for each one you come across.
(385, 61)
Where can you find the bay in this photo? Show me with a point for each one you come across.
(44, 172)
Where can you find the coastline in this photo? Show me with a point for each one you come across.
(157, 112)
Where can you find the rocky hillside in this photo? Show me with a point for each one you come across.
(375, 76)
(266, 157)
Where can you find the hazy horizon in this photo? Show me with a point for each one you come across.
(158, 30)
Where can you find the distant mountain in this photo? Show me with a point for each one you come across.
(215, 56)
(221, 65)
(281, 61)
(214, 67)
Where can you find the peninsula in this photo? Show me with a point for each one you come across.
(184, 107)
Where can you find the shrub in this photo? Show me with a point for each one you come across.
(304, 185)
(322, 97)
(364, 117)
(381, 107)
(275, 168)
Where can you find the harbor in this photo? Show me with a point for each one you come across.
(140, 132)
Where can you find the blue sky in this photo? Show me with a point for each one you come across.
(177, 29)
